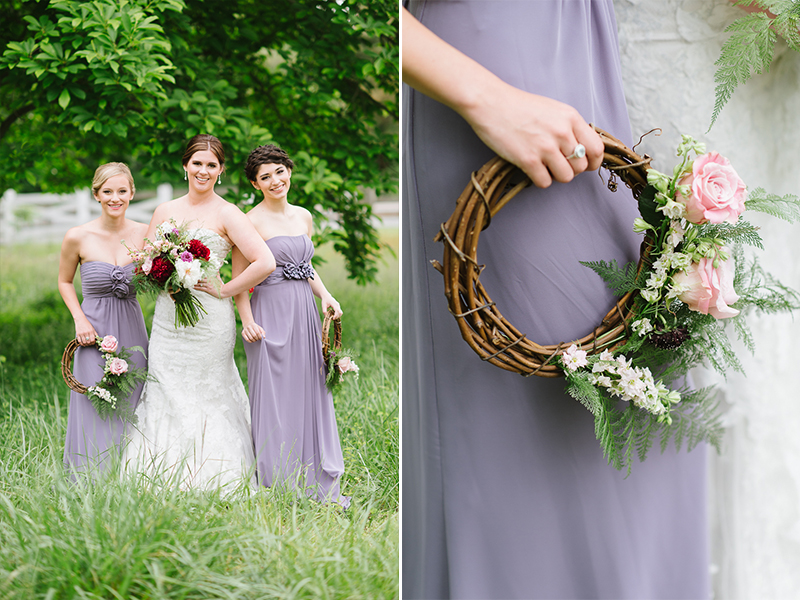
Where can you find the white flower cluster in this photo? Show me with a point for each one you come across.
(104, 394)
(622, 380)
(668, 263)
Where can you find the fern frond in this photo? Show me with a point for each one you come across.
(742, 232)
(749, 50)
(619, 280)
(784, 207)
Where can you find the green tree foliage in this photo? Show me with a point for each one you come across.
(82, 83)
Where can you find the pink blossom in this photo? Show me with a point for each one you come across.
(717, 192)
(346, 364)
(117, 366)
(109, 344)
(708, 290)
(147, 265)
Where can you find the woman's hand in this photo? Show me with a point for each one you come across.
(533, 132)
(252, 332)
(213, 287)
(84, 332)
(329, 301)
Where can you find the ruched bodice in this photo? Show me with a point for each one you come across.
(293, 254)
(101, 279)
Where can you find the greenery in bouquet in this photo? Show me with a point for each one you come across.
(108, 396)
(340, 362)
(174, 262)
(693, 284)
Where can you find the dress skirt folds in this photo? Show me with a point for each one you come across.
(109, 302)
(505, 490)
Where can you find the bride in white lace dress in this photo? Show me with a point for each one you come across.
(194, 416)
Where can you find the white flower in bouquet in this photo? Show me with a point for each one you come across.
(189, 273)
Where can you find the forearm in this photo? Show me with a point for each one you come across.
(251, 276)
(242, 300)
(317, 287)
(438, 70)
(70, 297)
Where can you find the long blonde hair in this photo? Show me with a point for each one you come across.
(109, 170)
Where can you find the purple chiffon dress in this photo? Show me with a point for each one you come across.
(109, 302)
(294, 424)
(505, 491)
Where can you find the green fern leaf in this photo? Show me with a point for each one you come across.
(783, 207)
(620, 281)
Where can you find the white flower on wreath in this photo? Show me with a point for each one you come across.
(676, 233)
(189, 273)
(642, 327)
(651, 295)
(573, 358)
(681, 261)
(672, 209)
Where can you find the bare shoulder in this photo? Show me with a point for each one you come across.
(302, 213)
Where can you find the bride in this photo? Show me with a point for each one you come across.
(194, 416)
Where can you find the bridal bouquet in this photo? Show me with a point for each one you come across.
(694, 282)
(119, 380)
(174, 262)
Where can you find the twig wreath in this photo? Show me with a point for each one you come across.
(690, 281)
(337, 360)
(482, 324)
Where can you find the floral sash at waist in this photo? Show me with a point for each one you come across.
(300, 271)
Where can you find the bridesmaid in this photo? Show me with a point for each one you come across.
(109, 307)
(293, 419)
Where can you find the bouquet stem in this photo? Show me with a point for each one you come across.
(187, 308)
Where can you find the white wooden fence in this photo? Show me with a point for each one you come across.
(46, 217)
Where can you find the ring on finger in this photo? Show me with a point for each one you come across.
(579, 152)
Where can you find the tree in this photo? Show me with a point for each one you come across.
(86, 82)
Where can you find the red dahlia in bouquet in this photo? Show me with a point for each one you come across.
(174, 262)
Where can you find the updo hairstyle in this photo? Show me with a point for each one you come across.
(265, 155)
(109, 170)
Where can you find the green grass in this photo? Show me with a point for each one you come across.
(133, 538)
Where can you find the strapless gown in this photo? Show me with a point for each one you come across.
(109, 302)
(294, 423)
(505, 490)
(194, 423)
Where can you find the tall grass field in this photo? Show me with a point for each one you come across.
(124, 537)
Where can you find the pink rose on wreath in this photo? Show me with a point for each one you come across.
(346, 364)
(708, 290)
(109, 344)
(117, 366)
(718, 193)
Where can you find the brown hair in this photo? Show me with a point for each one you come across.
(109, 170)
(204, 141)
(264, 155)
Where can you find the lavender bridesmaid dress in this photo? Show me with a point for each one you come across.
(109, 302)
(505, 491)
(294, 423)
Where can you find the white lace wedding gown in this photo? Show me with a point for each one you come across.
(194, 416)
(668, 49)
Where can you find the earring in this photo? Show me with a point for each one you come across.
(219, 178)
(185, 175)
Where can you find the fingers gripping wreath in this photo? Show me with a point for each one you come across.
(479, 319)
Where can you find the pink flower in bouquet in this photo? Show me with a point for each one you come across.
(718, 193)
(117, 366)
(708, 290)
(109, 344)
(187, 256)
(147, 265)
(346, 364)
